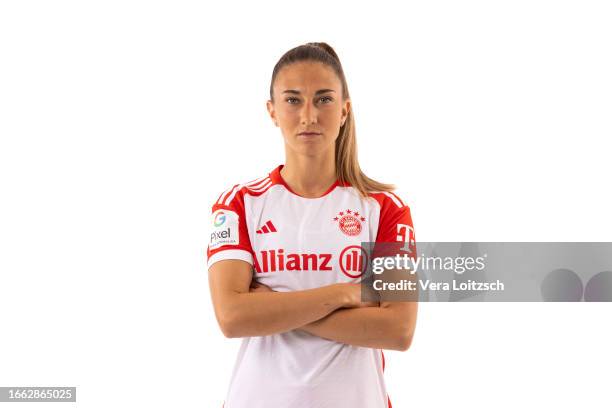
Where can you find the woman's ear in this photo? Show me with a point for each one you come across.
(270, 107)
(345, 110)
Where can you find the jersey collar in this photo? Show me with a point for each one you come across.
(276, 178)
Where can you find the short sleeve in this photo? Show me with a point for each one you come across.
(229, 237)
(395, 226)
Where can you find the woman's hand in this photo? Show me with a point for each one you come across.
(352, 293)
(259, 287)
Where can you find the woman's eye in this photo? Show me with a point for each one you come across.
(290, 100)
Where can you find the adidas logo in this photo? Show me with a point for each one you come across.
(268, 227)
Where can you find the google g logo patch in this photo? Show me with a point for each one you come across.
(219, 219)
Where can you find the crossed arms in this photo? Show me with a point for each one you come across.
(334, 312)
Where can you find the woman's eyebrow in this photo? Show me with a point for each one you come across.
(320, 91)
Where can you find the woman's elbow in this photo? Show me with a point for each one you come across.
(228, 325)
(404, 342)
(228, 331)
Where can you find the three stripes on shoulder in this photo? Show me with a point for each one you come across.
(256, 185)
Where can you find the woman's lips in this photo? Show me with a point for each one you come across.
(308, 134)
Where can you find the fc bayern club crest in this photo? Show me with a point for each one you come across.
(349, 222)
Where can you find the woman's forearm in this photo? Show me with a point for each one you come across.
(265, 313)
(375, 327)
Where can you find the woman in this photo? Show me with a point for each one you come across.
(284, 257)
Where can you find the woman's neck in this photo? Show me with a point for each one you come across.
(309, 176)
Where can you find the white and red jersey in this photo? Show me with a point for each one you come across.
(297, 243)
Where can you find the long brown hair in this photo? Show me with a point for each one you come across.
(347, 165)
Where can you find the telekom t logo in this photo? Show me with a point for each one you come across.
(405, 233)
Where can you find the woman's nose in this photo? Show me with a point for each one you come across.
(309, 114)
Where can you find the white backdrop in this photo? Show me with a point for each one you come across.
(122, 121)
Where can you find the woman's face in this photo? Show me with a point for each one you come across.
(308, 98)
